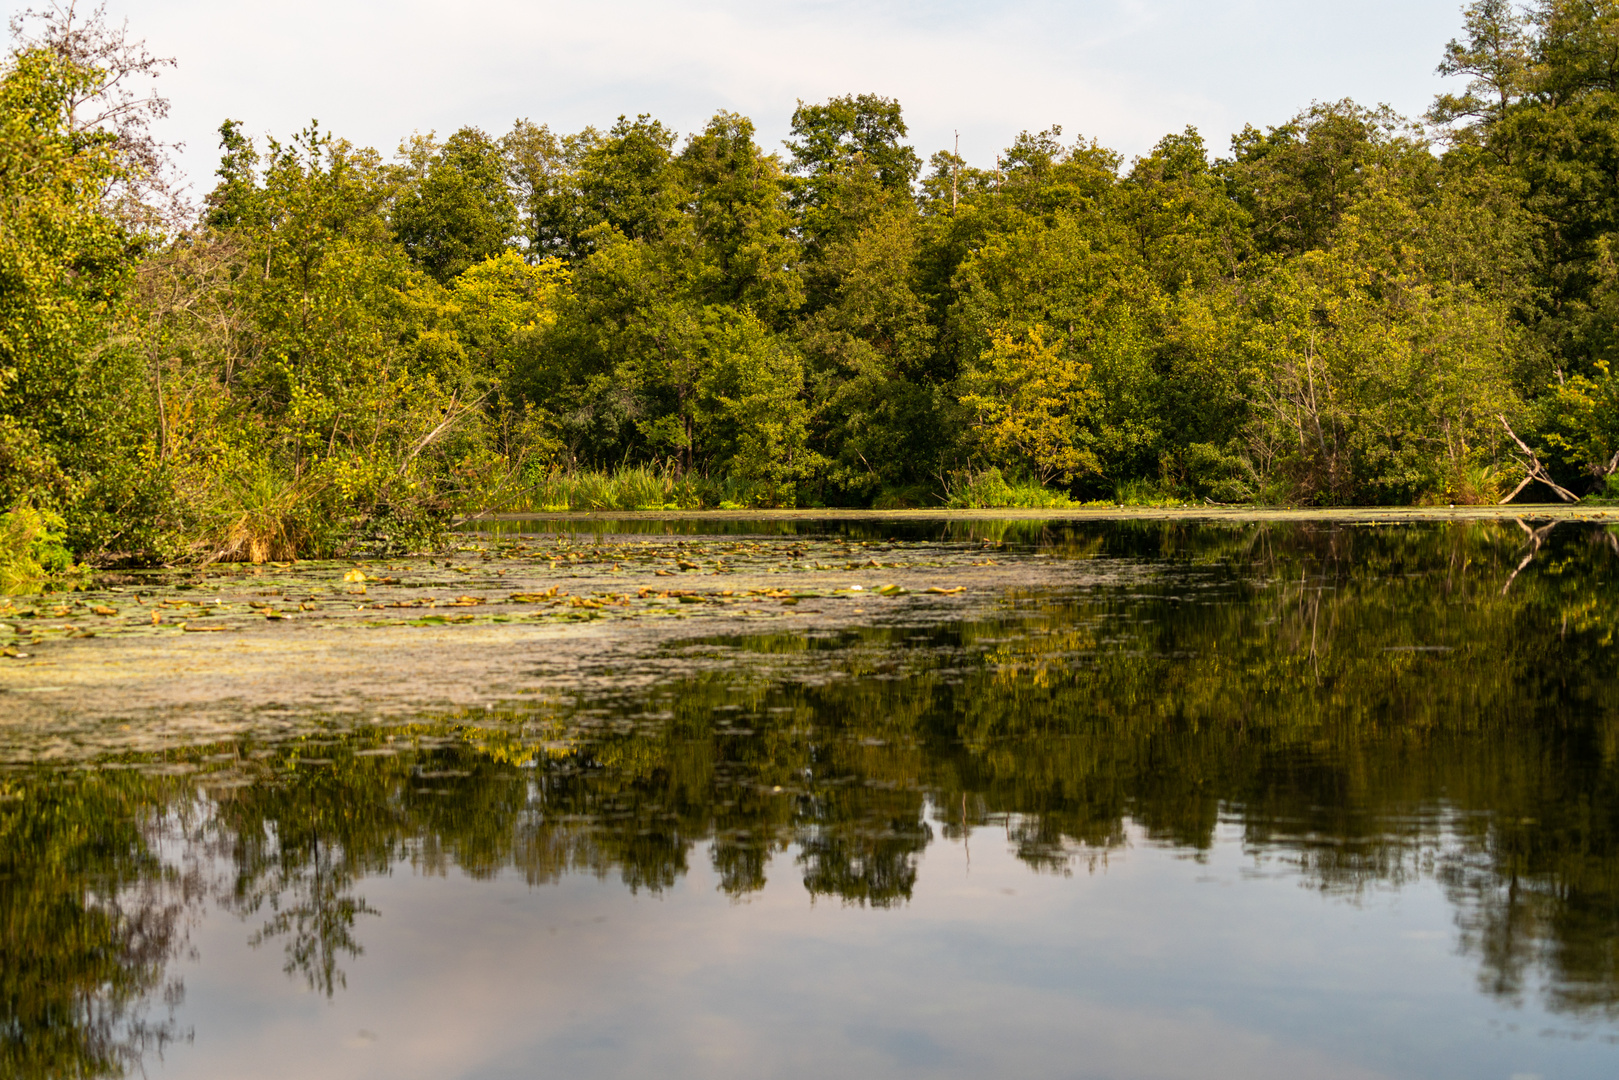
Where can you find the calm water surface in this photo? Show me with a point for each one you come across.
(1249, 801)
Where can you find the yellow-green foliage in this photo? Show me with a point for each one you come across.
(346, 396)
(31, 549)
(1030, 403)
(72, 408)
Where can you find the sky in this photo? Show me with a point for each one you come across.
(1124, 72)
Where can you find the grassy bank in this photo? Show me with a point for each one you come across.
(644, 487)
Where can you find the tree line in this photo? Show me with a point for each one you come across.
(337, 346)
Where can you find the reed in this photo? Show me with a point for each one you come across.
(649, 487)
(986, 489)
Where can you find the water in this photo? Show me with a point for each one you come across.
(1166, 801)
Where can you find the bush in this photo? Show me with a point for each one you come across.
(31, 549)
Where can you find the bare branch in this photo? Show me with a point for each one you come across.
(150, 196)
(1535, 470)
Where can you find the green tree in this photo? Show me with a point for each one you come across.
(844, 135)
(353, 395)
(1378, 382)
(1495, 58)
(1558, 132)
(869, 345)
(1297, 180)
(542, 169)
(628, 181)
(738, 221)
(74, 399)
(455, 209)
(1078, 278)
(1031, 405)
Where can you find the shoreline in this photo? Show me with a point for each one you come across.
(1366, 515)
(179, 657)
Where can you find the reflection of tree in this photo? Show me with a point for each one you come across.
(89, 919)
(1313, 684)
(298, 843)
(861, 846)
(1367, 708)
(310, 906)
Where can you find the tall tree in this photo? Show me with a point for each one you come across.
(854, 139)
(542, 169)
(627, 181)
(739, 220)
(1496, 60)
(1296, 180)
(455, 209)
(74, 400)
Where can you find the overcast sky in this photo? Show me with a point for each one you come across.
(1122, 71)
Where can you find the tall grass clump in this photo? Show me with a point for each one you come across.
(649, 487)
(968, 489)
(260, 516)
(1475, 483)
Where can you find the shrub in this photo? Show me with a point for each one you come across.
(31, 548)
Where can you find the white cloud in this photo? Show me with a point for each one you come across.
(1125, 71)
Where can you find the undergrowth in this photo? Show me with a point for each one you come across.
(32, 551)
(968, 489)
(650, 487)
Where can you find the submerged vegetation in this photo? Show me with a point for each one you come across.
(339, 349)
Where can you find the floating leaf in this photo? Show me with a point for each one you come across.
(533, 597)
(357, 576)
(102, 609)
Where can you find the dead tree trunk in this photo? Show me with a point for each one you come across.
(1534, 470)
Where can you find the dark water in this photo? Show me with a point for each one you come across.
(1288, 801)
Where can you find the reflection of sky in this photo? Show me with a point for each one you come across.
(1124, 71)
(1159, 966)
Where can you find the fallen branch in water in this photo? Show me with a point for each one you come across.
(1534, 470)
